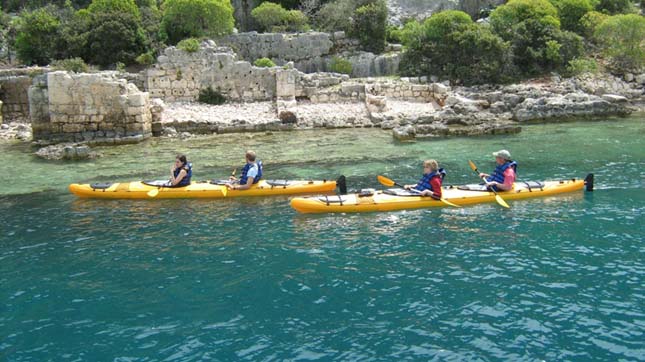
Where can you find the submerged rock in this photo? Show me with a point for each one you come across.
(67, 151)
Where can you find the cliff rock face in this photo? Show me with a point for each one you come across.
(400, 10)
(313, 52)
(242, 14)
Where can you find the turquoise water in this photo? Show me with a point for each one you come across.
(557, 278)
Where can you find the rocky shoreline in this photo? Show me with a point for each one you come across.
(466, 111)
(456, 111)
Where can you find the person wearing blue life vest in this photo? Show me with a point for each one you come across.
(181, 172)
(251, 173)
(430, 182)
(503, 177)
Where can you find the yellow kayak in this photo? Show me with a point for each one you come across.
(201, 189)
(399, 199)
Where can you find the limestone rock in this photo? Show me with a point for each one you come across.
(288, 117)
(405, 133)
(612, 98)
(74, 152)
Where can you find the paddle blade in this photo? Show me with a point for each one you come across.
(385, 181)
(449, 203)
(501, 201)
(233, 173)
(472, 165)
(224, 191)
(153, 192)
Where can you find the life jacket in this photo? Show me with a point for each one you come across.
(245, 170)
(498, 174)
(189, 173)
(424, 183)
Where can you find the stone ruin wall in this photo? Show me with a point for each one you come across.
(14, 86)
(95, 108)
(179, 76)
(102, 107)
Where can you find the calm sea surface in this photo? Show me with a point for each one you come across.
(554, 279)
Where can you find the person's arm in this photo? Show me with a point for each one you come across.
(483, 175)
(415, 186)
(249, 183)
(509, 180)
(250, 177)
(175, 180)
(436, 187)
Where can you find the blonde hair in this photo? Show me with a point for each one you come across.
(434, 165)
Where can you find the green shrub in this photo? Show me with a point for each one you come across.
(273, 17)
(340, 65)
(145, 59)
(113, 37)
(581, 65)
(196, 18)
(370, 26)
(451, 45)
(297, 21)
(264, 63)
(412, 33)
(76, 65)
(289, 4)
(615, 6)
(590, 22)
(439, 25)
(505, 18)
(622, 39)
(533, 29)
(394, 34)
(190, 45)
(335, 15)
(571, 11)
(115, 6)
(211, 96)
(268, 15)
(37, 36)
(151, 24)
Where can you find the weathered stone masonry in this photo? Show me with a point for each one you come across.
(14, 85)
(179, 76)
(95, 108)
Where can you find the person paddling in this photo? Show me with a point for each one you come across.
(503, 177)
(181, 172)
(251, 173)
(430, 182)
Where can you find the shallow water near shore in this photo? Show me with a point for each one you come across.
(557, 278)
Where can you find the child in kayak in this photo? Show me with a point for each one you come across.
(503, 177)
(430, 182)
(251, 174)
(181, 172)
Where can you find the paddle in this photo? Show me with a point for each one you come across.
(389, 183)
(154, 192)
(497, 197)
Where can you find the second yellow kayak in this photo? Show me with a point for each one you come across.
(399, 199)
